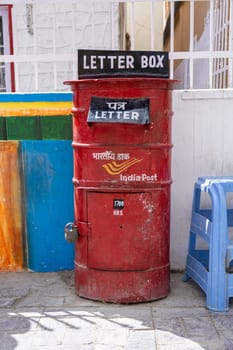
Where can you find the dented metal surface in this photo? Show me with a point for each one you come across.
(122, 178)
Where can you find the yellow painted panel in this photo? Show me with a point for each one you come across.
(11, 242)
(34, 108)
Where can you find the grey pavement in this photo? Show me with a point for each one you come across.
(40, 311)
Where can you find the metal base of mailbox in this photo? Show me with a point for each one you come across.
(125, 287)
(123, 258)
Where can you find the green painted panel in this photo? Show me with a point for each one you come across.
(23, 128)
(56, 127)
(2, 128)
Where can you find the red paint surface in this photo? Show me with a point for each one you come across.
(122, 255)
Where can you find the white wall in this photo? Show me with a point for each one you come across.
(202, 145)
(59, 29)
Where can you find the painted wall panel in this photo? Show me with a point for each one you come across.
(56, 127)
(23, 128)
(11, 243)
(47, 173)
(37, 128)
(2, 128)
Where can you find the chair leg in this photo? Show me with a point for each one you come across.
(192, 236)
(217, 297)
(217, 290)
(185, 277)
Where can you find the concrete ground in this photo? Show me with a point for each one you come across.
(40, 311)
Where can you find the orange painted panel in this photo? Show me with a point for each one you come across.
(11, 242)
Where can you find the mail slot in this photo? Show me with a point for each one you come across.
(122, 178)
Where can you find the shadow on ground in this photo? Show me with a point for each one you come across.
(42, 311)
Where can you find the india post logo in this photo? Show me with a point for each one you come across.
(115, 168)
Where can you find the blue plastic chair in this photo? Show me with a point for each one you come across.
(212, 268)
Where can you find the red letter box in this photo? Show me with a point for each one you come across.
(122, 177)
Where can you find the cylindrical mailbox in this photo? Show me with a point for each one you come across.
(122, 177)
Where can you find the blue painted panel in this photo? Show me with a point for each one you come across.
(47, 179)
